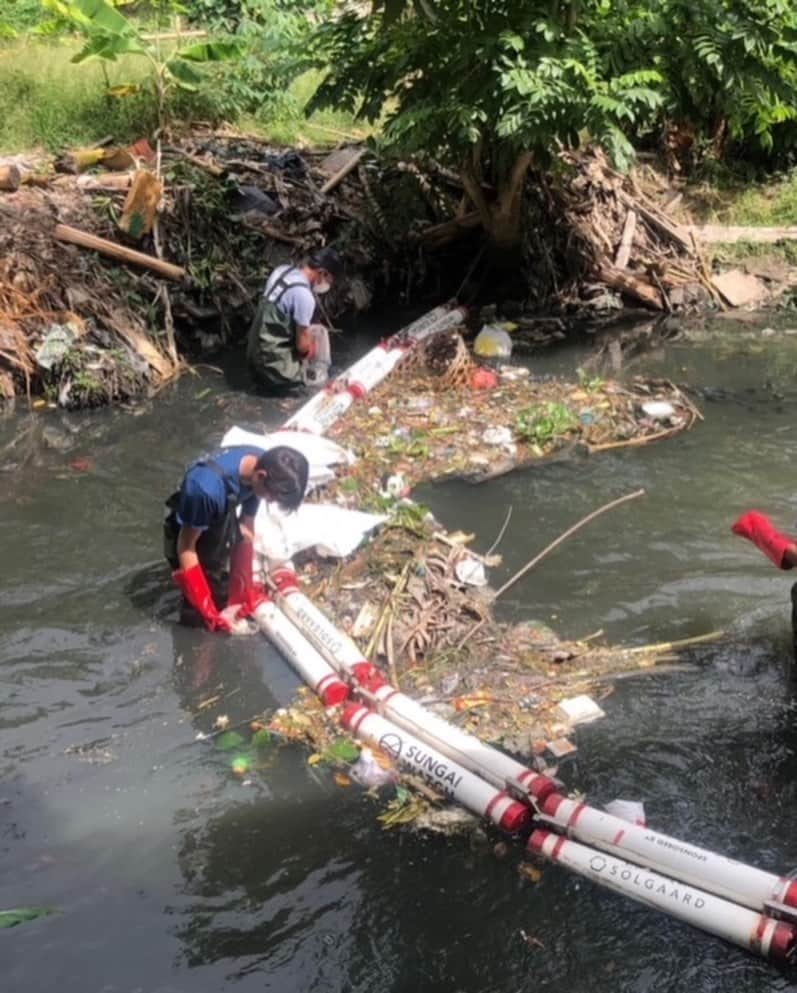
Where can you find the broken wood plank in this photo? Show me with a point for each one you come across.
(634, 286)
(10, 178)
(343, 172)
(63, 232)
(626, 240)
(654, 217)
(720, 234)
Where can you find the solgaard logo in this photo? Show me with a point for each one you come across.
(597, 863)
(392, 744)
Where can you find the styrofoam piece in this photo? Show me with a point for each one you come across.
(580, 709)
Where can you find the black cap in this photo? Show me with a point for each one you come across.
(328, 259)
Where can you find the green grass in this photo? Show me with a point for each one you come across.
(47, 102)
(285, 123)
(732, 201)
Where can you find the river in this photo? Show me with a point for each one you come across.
(172, 875)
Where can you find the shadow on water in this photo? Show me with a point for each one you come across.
(173, 874)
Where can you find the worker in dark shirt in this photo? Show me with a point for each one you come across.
(203, 527)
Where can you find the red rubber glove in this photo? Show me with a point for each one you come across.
(242, 590)
(194, 585)
(758, 528)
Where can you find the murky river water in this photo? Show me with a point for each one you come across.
(171, 875)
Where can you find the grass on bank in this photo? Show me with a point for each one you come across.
(47, 102)
(743, 202)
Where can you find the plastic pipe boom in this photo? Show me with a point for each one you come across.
(466, 749)
(697, 866)
(441, 772)
(751, 930)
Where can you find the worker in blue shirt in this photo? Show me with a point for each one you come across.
(204, 526)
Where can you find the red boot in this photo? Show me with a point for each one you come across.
(194, 585)
(242, 590)
(758, 528)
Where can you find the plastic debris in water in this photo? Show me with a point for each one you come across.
(628, 810)
(660, 410)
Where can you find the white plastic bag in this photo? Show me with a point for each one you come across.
(368, 772)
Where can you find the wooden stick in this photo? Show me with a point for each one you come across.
(343, 172)
(63, 232)
(549, 548)
(665, 646)
(624, 250)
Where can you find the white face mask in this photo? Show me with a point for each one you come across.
(321, 288)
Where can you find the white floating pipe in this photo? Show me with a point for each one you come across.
(725, 877)
(466, 749)
(751, 930)
(330, 403)
(442, 773)
(311, 666)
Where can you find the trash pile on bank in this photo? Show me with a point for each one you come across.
(118, 260)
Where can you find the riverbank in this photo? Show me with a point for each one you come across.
(122, 263)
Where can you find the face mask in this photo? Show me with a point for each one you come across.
(321, 288)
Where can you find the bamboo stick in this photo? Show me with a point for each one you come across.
(549, 548)
(63, 232)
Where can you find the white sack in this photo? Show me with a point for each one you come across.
(334, 531)
(320, 452)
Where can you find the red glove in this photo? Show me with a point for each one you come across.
(194, 585)
(242, 590)
(758, 528)
(311, 351)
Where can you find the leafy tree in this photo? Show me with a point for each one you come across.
(491, 86)
(730, 65)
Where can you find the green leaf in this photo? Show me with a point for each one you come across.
(210, 51)
(342, 750)
(103, 16)
(108, 47)
(229, 740)
(261, 738)
(21, 915)
(182, 73)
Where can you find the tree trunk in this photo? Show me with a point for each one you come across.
(502, 217)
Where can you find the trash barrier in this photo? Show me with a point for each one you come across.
(756, 932)
(725, 877)
(469, 751)
(439, 771)
(753, 909)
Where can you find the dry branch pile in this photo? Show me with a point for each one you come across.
(624, 240)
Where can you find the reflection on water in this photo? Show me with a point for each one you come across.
(173, 874)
